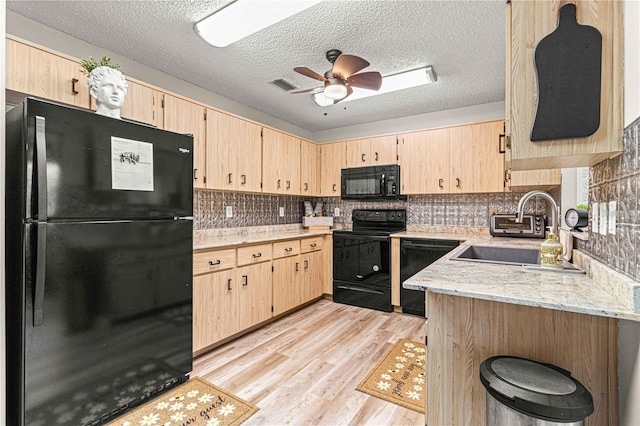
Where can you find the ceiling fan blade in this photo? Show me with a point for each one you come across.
(316, 90)
(347, 65)
(371, 80)
(309, 73)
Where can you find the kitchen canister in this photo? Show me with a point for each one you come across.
(551, 252)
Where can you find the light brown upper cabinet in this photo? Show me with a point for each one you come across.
(424, 162)
(332, 161)
(527, 180)
(280, 163)
(182, 116)
(371, 151)
(309, 169)
(459, 159)
(234, 153)
(528, 22)
(41, 73)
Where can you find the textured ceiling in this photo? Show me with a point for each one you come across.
(463, 40)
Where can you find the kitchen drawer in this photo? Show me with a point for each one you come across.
(286, 248)
(311, 244)
(213, 260)
(254, 254)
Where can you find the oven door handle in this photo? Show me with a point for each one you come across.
(383, 185)
(360, 289)
(361, 237)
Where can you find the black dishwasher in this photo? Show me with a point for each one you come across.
(415, 255)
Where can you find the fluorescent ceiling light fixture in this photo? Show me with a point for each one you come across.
(390, 83)
(241, 18)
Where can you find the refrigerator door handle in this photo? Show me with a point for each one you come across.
(41, 268)
(41, 165)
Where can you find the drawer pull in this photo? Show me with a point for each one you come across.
(73, 86)
(256, 256)
(288, 250)
(212, 263)
(245, 280)
(313, 245)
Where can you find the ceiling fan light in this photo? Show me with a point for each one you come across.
(335, 91)
(240, 18)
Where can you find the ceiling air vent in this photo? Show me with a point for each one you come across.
(284, 84)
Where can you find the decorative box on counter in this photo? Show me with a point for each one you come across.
(317, 222)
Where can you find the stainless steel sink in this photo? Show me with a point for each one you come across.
(495, 254)
(529, 258)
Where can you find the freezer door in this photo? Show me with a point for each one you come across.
(95, 167)
(115, 320)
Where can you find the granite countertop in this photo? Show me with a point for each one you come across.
(210, 239)
(601, 291)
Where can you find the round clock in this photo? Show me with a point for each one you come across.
(576, 218)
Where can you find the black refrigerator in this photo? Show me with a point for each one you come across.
(99, 238)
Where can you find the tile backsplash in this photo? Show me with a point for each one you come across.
(469, 210)
(616, 179)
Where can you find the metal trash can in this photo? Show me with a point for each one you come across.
(527, 393)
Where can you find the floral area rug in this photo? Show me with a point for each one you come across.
(195, 402)
(399, 377)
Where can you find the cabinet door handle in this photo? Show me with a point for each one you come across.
(457, 182)
(306, 264)
(256, 256)
(278, 183)
(440, 183)
(73, 86)
(363, 158)
(212, 263)
(288, 184)
(334, 187)
(245, 280)
(229, 284)
(243, 180)
(306, 186)
(230, 177)
(501, 138)
(376, 156)
(297, 264)
(195, 174)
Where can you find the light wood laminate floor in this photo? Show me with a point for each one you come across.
(303, 369)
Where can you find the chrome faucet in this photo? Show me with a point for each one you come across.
(537, 193)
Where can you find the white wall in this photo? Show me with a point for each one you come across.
(452, 117)
(631, 61)
(628, 331)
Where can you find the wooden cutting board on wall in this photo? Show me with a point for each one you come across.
(568, 68)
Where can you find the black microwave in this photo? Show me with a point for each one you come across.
(373, 183)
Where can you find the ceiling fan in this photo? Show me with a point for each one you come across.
(340, 79)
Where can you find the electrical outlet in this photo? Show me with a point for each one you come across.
(613, 208)
(281, 211)
(229, 211)
(336, 211)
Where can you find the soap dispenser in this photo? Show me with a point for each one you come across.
(551, 252)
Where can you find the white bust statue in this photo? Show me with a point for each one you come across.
(108, 87)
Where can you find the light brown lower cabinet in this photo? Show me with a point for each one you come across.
(463, 332)
(235, 289)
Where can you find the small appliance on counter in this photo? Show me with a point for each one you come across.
(505, 225)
